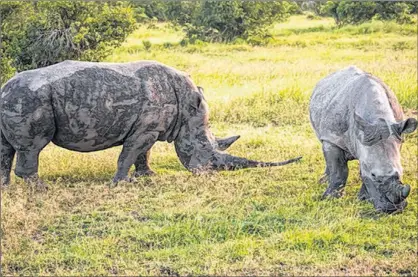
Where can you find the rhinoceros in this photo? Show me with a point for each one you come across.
(357, 117)
(87, 106)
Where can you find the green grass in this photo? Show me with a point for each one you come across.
(253, 221)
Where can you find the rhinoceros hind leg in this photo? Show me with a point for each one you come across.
(7, 154)
(337, 170)
(27, 168)
(133, 147)
(142, 167)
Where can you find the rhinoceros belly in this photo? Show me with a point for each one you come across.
(87, 129)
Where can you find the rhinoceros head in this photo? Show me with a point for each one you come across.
(196, 146)
(379, 145)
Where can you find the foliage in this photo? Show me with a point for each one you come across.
(348, 12)
(46, 32)
(145, 10)
(14, 15)
(147, 45)
(6, 69)
(161, 10)
(224, 21)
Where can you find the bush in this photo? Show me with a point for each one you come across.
(168, 45)
(7, 70)
(42, 33)
(147, 45)
(224, 21)
(347, 12)
(311, 16)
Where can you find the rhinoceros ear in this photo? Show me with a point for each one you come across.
(200, 90)
(407, 126)
(361, 123)
(371, 133)
(196, 99)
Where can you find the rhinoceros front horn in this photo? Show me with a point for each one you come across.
(224, 161)
(225, 143)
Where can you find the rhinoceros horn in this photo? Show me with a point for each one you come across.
(196, 146)
(225, 143)
(201, 155)
(228, 162)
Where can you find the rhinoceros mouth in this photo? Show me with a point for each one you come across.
(388, 197)
(391, 208)
(387, 203)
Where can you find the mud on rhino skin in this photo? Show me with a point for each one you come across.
(87, 106)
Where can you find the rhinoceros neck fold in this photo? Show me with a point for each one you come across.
(175, 126)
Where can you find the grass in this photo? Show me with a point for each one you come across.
(247, 222)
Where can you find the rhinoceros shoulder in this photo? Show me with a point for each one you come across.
(393, 101)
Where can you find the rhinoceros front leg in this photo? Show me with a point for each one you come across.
(363, 194)
(133, 147)
(324, 177)
(337, 169)
(142, 167)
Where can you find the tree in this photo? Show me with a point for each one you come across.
(348, 12)
(224, 21)
(42, 33)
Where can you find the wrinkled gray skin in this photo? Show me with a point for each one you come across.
(357, 117)
(84, 106)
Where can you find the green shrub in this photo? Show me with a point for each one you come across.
(168, 45)
(348, 12)
(147, 45)
(224, 21)
(184, 42)
(42, 33)
(311, 16)
(7, 70)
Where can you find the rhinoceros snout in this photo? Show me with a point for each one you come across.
(394, 200)
(388, 196)
(390, 208)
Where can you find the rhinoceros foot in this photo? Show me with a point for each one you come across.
(323, 179)
(35, 184)
(142, 173)
(4, 182)
(333, 192)
(116, 180)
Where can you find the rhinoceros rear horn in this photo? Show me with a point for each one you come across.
(229, 162)
(225, 143)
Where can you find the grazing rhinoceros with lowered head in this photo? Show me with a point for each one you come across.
(86, 106)
(356, 116)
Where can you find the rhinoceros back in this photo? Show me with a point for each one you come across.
(93, 106)
(331, 102)
(338, 96)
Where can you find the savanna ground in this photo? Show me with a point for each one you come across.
(254, 221)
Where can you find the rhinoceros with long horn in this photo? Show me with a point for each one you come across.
(86, 106)
(357, 117)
